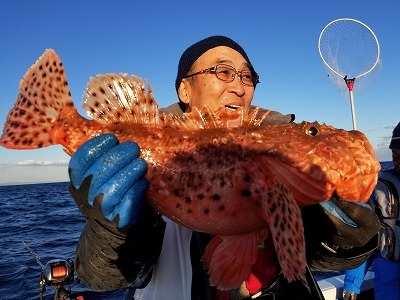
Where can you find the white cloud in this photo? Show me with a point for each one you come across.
(383, 127)
(43, 163)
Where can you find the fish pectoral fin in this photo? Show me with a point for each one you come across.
(229, 259)
(283, 215)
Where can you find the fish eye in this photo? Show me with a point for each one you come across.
(313, 131)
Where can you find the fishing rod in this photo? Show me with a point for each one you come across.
(36, 257)
(56, 273)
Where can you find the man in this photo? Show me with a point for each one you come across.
(153, 255)
(387, 261)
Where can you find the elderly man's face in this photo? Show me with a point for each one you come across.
(207, 90)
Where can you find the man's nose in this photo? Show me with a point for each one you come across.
(237, 85)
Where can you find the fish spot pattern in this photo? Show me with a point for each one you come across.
(287, 230)
(39, 85)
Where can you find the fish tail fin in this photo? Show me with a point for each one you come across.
(44, 93)
(120, 98)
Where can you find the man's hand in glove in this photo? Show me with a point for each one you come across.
(340, 234)
(109, 175)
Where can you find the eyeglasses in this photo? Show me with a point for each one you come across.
(228, 73)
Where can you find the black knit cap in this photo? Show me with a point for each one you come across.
(395, 142)
(192, 53)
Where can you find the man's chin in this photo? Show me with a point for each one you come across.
(234, 115)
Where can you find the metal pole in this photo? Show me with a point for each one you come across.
(350, 86)
(353, 113)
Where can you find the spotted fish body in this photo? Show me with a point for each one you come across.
(238, 184)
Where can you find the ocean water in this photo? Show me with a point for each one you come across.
(47, 219)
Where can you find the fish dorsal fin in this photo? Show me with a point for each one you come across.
(44, 93)
(206, 119)
(252, 120)
(120, 98)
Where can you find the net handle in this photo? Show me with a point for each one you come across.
(361, 23)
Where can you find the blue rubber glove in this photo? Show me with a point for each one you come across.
(336, 212)
(113, 174)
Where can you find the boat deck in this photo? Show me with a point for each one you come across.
(331, 285)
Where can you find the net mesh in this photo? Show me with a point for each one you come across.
(350, 49)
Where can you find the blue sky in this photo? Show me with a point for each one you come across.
(146, 38)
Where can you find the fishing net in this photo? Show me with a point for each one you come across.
(351, 53)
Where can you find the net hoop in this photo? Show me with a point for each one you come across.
(362, 24)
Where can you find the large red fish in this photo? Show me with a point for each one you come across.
(238, 184)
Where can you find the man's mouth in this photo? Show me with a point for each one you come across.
(231, 107)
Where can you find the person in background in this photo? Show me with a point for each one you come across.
(387, 260)
(353, 279)
(126, 244)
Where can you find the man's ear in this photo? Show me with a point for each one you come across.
(184, 91)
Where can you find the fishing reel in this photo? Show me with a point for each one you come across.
(58, 272)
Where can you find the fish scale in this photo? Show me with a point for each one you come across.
(235, 183)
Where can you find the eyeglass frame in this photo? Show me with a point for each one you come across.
(238, 73)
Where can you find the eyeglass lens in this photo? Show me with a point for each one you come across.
(228, 74)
